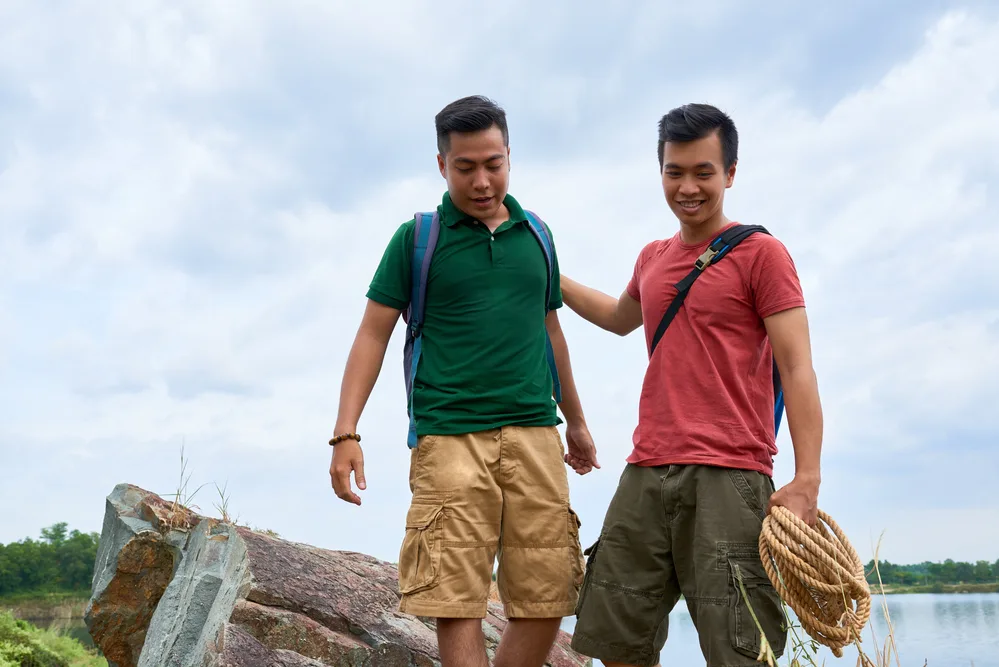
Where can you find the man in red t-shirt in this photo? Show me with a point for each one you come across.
(688, 510)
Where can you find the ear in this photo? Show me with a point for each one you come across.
(730, 176)
(441, 165)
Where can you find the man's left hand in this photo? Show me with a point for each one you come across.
(582, 453)
(801, 497)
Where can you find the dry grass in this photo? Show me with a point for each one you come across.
(181, 505)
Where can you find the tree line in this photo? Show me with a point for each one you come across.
(930, 574)
(61, 561)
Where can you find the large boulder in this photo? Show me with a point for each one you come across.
(175, 589)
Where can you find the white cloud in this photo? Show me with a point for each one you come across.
(194, 201)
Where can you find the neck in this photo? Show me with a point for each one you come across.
(694, 234)
(492, 222)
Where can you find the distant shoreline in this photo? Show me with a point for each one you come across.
(937, 589)
(46, 606)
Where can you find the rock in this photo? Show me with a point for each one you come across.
(175, 589)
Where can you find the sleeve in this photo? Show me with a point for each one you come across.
(391, 284)
(555, 300)
(634, 285)
(774, 280)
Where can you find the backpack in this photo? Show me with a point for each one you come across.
(425, 234)
(720, 247)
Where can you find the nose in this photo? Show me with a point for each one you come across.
(481, 180)
(688, 188)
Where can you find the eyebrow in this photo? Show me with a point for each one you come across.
(497, 156)
(700, 165)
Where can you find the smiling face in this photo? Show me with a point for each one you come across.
(476, 167)
(694, 182)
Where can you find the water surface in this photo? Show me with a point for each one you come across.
(953, 630)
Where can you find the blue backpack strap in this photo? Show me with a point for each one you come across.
(548, 248)
(425, 233)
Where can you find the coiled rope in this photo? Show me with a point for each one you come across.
(819, 575)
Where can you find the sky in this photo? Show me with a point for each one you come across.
(194, 196)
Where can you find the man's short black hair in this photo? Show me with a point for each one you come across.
(691, 122)
(469, 114)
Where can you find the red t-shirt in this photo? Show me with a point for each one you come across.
(707, 397)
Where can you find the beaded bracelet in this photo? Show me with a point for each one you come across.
(345, 436)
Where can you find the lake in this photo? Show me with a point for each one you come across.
(942, 630)
(958, 630)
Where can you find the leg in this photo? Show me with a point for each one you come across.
(452, 529)
(631, 584)
(719, 529)
(540, 560)
(461, 642)
(526, 641)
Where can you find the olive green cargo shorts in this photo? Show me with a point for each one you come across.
(680, 530)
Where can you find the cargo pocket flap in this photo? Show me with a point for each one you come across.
(422, 515)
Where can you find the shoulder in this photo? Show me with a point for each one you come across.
(653, 250)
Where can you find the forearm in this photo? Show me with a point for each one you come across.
(804, 418)
(571, 406)
(360, 374)
(592, 305)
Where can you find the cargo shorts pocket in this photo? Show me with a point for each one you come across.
(759, 609)
(420, 554)
(576, 562)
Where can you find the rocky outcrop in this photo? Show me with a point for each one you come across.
(175, 589)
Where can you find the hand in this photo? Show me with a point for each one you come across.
(801, 497)
(582, 453)
(347, 457)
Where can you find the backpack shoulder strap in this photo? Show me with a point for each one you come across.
(718, 248)
(425, 233)
(540, 231)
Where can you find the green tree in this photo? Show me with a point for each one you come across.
(964, 573)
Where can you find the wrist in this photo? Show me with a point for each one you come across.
(810, 477)
(344, 435)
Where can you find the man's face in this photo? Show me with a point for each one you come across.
(695, 180)
(477, 171)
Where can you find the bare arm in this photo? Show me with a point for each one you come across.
(621, 316)
(363, 366)
(789, 338)
(582, 455)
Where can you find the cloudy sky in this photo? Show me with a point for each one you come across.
(194, 196)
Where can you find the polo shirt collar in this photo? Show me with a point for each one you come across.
(451, 215)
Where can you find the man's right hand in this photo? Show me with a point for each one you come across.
(347, 457)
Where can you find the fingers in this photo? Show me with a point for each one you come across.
(340, 472)
(359, 473)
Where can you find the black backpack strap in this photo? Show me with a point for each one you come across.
(720, 247)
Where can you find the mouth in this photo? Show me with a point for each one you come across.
(482, 201)
(691, 206)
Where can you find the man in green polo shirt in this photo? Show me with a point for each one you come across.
(488, 473)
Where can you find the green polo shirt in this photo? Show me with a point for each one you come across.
(484, 362)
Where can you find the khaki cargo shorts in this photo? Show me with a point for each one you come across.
(680, 530)
(502, 492)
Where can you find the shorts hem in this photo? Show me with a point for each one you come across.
(443, 609)
(539, 609)
(607, 652)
